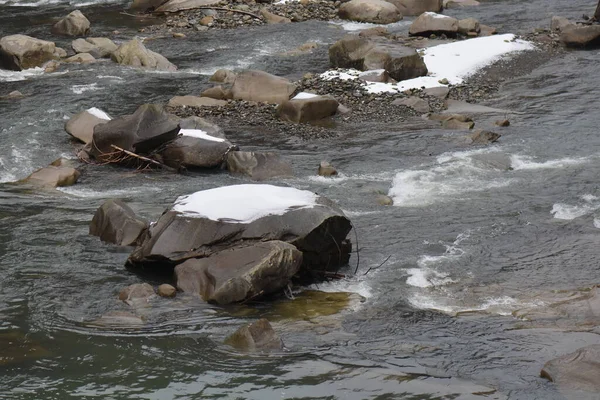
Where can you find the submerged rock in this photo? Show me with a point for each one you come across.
(115, 222)
(578, 371)
(240, 273)
(17, 348)
(326, 169)
(74, 24)
(15, 94)
(81, 126)
(256, 336)
(138, 294)
(118, 319)
(312, 304)
(259, 166)
(416, 103)
(262, 87)
(373, 11)
(134, 53)
(417, 7)
(19, 52)
(484, 137)
(52, 177)
(308, 109)
(431, 23)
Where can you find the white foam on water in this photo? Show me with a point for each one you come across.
(568, 212)
(427, 277)
(358, 213)
(197, 133)
(116, 78)
(351, 285)
(597, 223)
(503, 305)
(519, 162)
(78, 191)
(243, 203)
(96, 112)
(14, 76)
(351, 26)
(80, 89)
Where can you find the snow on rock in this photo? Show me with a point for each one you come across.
(304, 95)
(436, 15)
(243, 203)
(453, 61)
(198, 133)
(98, 113)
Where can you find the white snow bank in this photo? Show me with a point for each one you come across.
(198, 133)
(98, 113)
(304, 95)
(243, 203)
(452, 61)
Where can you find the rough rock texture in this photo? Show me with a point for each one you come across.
(259, 166)
(223, 76)
(177, 5)
(134, 53)
(74, 24)
(307, 110)
(417, 7)
(428, 23)
(81, 126)
(374, 11)
(138, 294)
(240, 273)
(401, 62)
(262, 86)
(454, 123)
(193, 152)
(115, 222)
(19, 52)
(194, 101)
(97, 47)
(82, 58)
(579, 370)
(326, 169)
(416, 103)
(468, 25)
(52, 177)
(257, 336)
(143, 131)
(581, 36)
(558, 24)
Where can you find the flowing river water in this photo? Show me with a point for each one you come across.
(475, 233)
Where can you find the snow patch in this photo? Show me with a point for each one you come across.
(198, 133)
(98, 113)
(243, 203)
(304, 95)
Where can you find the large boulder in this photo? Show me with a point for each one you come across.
(81, 126)
(240, 273)
(178, 5)
(256, 336)
(431, 23)
(262, 87)
(374, 11)
(401, 62)
(195, 149)
(259, 166)
(74, 24)
(115, 222)
(578, 371)
(207, 222)
(417, 7)
(97, 47)
(19, 52)
(581, 36)
(308, 109)
(134, 53)
(142, 132)
(52, 177)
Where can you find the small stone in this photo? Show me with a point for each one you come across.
(443, 81)
(326, 169)
(166, 290)
(179, 35)
(385, 200)
(207, 21)
(15, 94)
(257, 336)
(502, 122)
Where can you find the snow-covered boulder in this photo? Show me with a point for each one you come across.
(430, 22)
(81, 126)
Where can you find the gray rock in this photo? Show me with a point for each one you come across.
(262, 87)
(468, 25)
(307, 110)
(203, 125)
(581, 36)
(195, 101)
(257, 336)
(416, 103)
(558, 24)
(431, 23)
(417, 7)
(138, 294)
(115, 222)
(217, 93)
(326, 169)
(578, 371)
(74, 24)
(81, 126)
(439, 92)
(82, 58)
(240, 273)
(19, 52)
(271, 18)
(195, 152)
(259, 166)
(374, 11)
(135, 54)
(52, 177)
(97, 47)
(223, 76)
(178, 5)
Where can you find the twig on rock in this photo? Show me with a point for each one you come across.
(145, 159)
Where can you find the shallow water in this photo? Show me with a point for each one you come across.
(472, 230)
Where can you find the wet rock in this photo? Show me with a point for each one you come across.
(454, 123)
(135, 54)
(581, 36)
(195, 149)
(262, 87)
(97, 47)
(416, 103)
(273, 18)
(446, 117)
(326, 169)
(307, 109)
(177, 5)
(257, 336)
(52, 177)
(417, 7)
(209, 221)
(82, 58)
(468, 25)
(502, 122)
(375, 31)
(194, 101)
(74, 24)
(484, 137)
(401, 62)
(142, 132)
(312, 305)
(578, 371)
(138, 294)
(119, 319)
(207, 20)
(51, 66)
(460, 3)
(259, 166)
(430, 23)
(558, 24)
(240, 273)
(19, 52)
(115, 222)
(166, 290)
(15, 94)
(81, 126)
(59, 53)
(384, 200)
(223, 76)
(203, 125)
(178, 35)
(374, 11)
(145, 5)
(217, 93)
(17, 348)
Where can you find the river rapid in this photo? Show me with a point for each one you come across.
(475, 233)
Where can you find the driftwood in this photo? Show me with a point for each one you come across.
(211, 8)
(145, 159)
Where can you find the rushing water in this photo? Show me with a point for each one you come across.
(472, 230)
